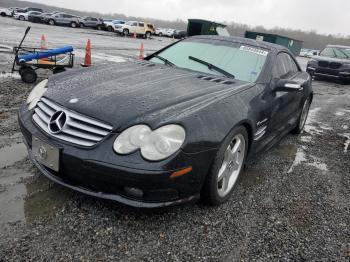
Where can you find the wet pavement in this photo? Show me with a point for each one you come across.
(292, 203)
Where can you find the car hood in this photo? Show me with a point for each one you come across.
(330, 59)
(135, 92)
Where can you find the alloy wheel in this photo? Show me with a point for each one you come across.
(231, 165)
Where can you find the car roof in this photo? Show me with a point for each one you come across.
(339, 46)
(247, 41)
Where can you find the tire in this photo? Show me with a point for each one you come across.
(125, 32)
(214, 191)
(73, 24)
(51, 22)
(302, 117)
(160, 34)
(110, 29)
(3, 14)
(28, 75)
(82, 25)
(99, 27)
(58, 70)
(148, 35)
(21, 18)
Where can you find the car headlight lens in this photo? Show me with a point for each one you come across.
(154, 145)
(35, 95)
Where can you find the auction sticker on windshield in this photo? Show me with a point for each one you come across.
(254, 50)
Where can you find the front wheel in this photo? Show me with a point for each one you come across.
(73, 24)
(99, 27)
(28, 75)
(227, 167)
(21, 18)
(82, 25)
(3, 14)
(148, 35)
(125, 32)
(303, 117)
(51, 22)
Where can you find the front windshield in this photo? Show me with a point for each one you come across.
(242, 61)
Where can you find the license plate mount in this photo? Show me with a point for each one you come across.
(46, 154)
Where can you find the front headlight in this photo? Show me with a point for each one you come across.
(154, 145)
(35, 95)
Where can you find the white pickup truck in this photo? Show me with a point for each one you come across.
(5, 11)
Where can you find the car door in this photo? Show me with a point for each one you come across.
(285, 105)
(141, 29)
(59, 18)
(93, 22)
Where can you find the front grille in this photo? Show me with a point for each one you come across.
(78, 129)
(334, 65)
(323, 63)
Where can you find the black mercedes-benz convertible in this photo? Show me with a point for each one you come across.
(175, 127)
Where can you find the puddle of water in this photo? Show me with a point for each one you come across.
(285, 150)
(12, 154)
(24, 198)
(10, 75)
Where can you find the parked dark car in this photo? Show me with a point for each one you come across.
(46, 16)
(92, 22)
(180, 34)
(64, 19)
(114, 132)
(333, 63)
(36, 17)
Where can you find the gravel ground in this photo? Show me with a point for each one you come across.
(292, 203)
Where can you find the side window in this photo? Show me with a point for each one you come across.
(285, 66)
(141, 24)
(329, 52)
(93, 19)
(134, 24)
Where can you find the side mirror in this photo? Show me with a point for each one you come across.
(284, 85)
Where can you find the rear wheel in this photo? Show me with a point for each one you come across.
(82, 25)
(28, 75)
(227, 167)
(51, 22)
(110, 29)
(303, 117)
(160, 34)
(3, 14)
(99, 27)
(125, 32)
(148, 35)
(73, 24)
(21, 18)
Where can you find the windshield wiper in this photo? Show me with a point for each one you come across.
(166, 61)
(212, 67)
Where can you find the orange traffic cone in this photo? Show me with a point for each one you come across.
(43, 44)
(87, 60)
(142, 52)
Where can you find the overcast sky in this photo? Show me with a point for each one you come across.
(323, 16)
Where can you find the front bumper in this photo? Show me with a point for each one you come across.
(340, 73)
(94, 173)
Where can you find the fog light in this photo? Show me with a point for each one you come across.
(133, 191)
